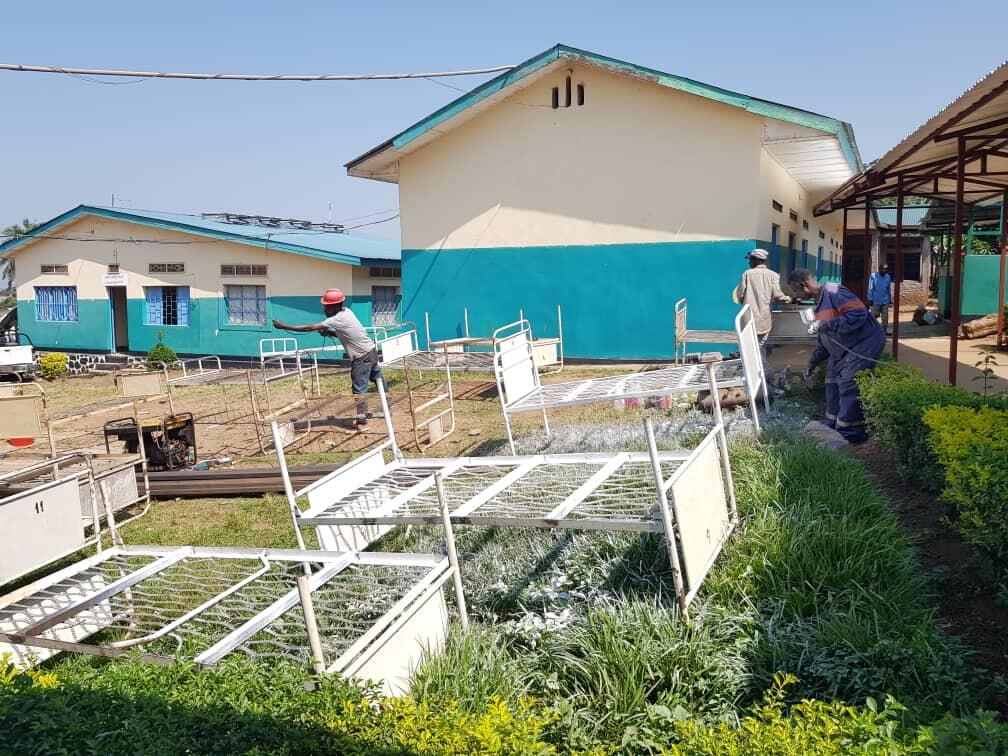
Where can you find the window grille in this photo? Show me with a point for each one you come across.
(56, 304)
(55, 269)
(167, 305)
(246, 304)
(166, 267)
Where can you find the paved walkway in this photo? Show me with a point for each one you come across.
(925, 348)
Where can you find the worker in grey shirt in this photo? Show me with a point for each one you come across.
(344, 325)
(759, 288)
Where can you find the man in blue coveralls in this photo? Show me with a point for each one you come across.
(849, 340)
(880, 294)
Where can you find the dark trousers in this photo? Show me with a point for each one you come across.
(364, 370)
(843, 401)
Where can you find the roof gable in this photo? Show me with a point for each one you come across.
(334, 247)
(495, 88)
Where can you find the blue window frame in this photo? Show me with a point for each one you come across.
(774, 236)
(167, 306)
(819, 264)
(804, 253)
(56, 304)
(245, 304)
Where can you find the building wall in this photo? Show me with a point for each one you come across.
(293, 286)
(980, 277)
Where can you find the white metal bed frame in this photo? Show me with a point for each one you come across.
(685, 336)
(253, 601)
(520, 390)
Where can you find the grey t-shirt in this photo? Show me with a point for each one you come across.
(350, 332)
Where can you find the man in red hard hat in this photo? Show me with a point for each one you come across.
(344, 325)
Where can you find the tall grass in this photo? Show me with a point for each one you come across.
(819, 581)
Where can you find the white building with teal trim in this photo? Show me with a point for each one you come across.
(610, 189)
(98, 279)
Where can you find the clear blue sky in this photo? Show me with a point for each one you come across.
(279, 148)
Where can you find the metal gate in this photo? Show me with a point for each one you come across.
(385, 305)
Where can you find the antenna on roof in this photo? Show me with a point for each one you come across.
(240, 219)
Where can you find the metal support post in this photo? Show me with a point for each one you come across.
(899, 267)
(295, 511)
(311, 624)
(722, 439)
(453, 559)
(396, 451)
(957, 264)
(670, 537)
(1001, 278)
(866, 258)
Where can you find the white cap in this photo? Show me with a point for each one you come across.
(759, 254)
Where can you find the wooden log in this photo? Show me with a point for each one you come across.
(985, 326)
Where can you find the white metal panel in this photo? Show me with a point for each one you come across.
(122, 489)
(701, 510)
(39, 525)
(19, 418)
(545, 354)
(396, 347)
(141, 384)
(749, 350)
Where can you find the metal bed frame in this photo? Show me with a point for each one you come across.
(685, 336)
(520, 390)
(365, 615)
(665, 492)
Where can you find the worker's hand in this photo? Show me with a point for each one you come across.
(813, 328)
(807, 375)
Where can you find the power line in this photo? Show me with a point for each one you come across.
(83, 72)
(373, 223)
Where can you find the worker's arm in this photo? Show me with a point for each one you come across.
(310, 328)
(778, 293)
(852, 316)
(820, 355)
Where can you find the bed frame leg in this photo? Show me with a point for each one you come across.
(666, 514)
(453, 559)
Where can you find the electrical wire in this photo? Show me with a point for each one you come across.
(373, 223)
(83, 72)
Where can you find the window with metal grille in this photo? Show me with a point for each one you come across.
(793, 215)
(777, 206)
(167, 305)
(166, 267)
(55, 269)
(822, 234)
(56, 304)
(804, 224)
(243, 270)
(384, 272)
(246, 304)
(113, 268)
(384, 305)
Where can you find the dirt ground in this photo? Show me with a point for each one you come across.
(967, 599)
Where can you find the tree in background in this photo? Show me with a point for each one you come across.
(7, 263)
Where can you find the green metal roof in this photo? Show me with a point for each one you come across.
(336, 247)
(840, 129)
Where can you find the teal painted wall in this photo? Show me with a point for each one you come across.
(618, 300)
(207, 332)
(89, 332)
(981, 274)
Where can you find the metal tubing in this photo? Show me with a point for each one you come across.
(295, 511)
(670, 539)
(311, 624)
(899, 267)
(957, 264)
(396, 451)
(723, 440)
(866, 259)
(1001, 279)
(453, 559)
(843, 245)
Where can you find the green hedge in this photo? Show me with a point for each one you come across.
(972, 448)
(895, 399)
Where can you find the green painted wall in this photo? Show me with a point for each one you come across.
(981, 274)
(618, 300)
(207, 332)
(90, 332)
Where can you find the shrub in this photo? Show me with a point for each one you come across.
(53, 365)
(160, 353)
(895, 399)
(972, 448)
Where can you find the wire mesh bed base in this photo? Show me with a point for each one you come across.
(373, 612)
(687, 495)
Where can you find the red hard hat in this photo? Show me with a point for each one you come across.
(333, 296)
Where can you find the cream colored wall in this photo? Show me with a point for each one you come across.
(288, 274)
(777, 184)
(637, 163)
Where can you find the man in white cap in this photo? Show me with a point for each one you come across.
(759, 288)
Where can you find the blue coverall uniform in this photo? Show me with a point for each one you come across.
(850, 340)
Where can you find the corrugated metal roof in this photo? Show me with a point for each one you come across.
(912, 215)
(338, 247)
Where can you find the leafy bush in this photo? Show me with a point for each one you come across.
(91, 707)
(972, 448)
(895, 399)
(160, 353)
(53, 365)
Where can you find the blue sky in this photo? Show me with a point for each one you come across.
(279, 148)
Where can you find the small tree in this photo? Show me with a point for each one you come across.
(18, 229)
